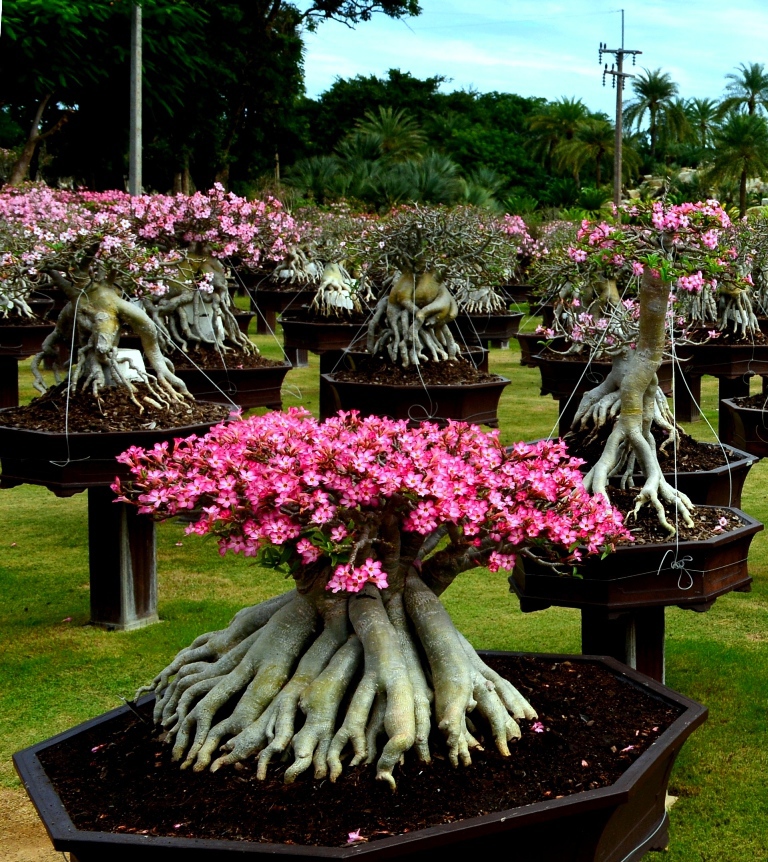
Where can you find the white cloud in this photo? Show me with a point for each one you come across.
(545, 48)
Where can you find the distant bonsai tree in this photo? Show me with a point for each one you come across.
(425, 256)
(152, 265)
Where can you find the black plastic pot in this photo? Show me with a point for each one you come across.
(619, 823)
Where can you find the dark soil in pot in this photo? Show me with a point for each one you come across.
(209, 358)
(14, 322)
(646, 529)
(112, 411)
(592, 727)
(379, 370)
(691, 455)
(754, 402)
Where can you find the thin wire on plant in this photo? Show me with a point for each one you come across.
(67, 396)
(593, 352)
(254, 304)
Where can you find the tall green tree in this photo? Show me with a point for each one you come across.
(747, 89)
(221, 76)
(741, 151)
(554, 125)
(399, 135)
(703, 117)
(655, 93)
(594, 139)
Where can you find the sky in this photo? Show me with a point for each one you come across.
(546, 48)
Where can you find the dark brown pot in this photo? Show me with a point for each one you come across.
(268, 301)
(469, 402)
(478, 328)
(532, 343)
(319, 335)
(562, 377)
(20, 341)
(720, 486)
(619, 823)
(121, 542)
(246, 387)
(244, 319)
(70, 463)
(687, 574)
(517, 292)
(721, 359)
(747, 427)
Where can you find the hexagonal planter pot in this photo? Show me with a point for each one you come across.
(686, 573)
(616, 823)
(747, 427)
(467, 402)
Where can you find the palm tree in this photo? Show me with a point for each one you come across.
(433, 179)
(593, 140)
(655, 91)
(398, 133)
(557, 123)
(315, 177)
(741, 151)
(748, 88)
(703, 116)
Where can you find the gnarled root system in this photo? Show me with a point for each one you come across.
(319, 679)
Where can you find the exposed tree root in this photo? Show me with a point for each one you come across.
(334, 680)
(631, 392)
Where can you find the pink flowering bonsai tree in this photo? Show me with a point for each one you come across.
(631, 291)
(373, 520)
(155, 265)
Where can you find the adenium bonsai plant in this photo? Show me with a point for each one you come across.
(432, 260)
(631, 291)
(373, 520)
(151, 264)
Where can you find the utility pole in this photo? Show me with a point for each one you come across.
(134, 148)
(618, 76)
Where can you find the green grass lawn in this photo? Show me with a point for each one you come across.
(57, 670)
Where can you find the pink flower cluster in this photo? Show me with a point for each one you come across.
(40, 225)
(693, 283)
(287, 480)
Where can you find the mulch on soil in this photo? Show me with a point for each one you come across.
(112, 411)
(208, 358)
(692, 456)
(594, 725)
(755, 402)
(380, 371)
(645, 527)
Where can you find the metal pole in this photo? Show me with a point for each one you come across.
(619, 123)
(619, 76)
(134, 149)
